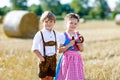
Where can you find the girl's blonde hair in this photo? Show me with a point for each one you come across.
(72, 15)
(47, 15)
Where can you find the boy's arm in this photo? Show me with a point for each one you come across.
(35, 46)
(39, 55)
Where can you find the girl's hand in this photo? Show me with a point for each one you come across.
(80, 46)
(72, 42)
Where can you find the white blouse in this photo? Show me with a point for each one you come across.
(62, 37)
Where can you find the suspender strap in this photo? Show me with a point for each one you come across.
(55, 42)
(43, 43)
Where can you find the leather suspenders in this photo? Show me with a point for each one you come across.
(48, 43)
(43, 42)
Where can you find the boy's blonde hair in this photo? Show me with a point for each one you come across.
(72, 15)
(47, 15)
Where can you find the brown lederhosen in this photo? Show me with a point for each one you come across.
(47, 68)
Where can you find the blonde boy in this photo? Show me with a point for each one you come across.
(45, 46)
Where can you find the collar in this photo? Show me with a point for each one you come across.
(47, 30)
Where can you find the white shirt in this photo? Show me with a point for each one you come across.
(48, 36)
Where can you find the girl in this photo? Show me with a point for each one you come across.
(70, 65)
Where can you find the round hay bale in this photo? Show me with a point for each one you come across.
(1, 19)
(21, 24)
(117, 19)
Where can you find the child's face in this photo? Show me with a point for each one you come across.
(72, 24)
(48, 24)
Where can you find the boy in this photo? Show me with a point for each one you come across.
(45, 46)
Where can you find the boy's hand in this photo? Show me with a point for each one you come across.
(39, 55)
(42, 59)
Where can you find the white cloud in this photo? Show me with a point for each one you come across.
(4, 3)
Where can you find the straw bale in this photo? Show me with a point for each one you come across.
(1, 19)
(117, 19)
(20, 24)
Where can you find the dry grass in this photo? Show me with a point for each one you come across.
(101, 55)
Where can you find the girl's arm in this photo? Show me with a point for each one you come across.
(62, 48)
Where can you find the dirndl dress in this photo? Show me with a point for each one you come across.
(70, 64)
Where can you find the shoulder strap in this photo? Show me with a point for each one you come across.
(55, 41)
(43, 43)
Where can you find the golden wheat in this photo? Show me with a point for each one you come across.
(101, 55)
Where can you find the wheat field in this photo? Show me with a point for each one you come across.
(101, 54)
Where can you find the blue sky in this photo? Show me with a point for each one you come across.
(6, 2)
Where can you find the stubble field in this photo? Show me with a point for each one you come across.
(101, 55)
